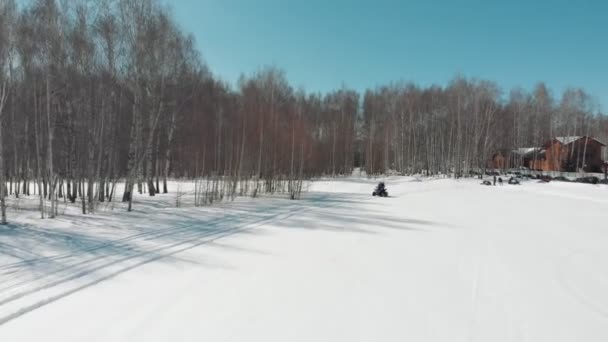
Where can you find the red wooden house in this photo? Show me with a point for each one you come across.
(571, 154)
(510, 159)
(561, 154)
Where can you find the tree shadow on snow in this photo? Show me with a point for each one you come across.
(72, 252)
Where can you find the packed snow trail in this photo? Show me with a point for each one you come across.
(439, 260)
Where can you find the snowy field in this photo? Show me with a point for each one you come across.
(439, 260)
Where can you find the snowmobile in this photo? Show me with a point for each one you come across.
(380, 190)
(514, 181)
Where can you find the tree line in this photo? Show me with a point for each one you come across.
(455, 129)
(95, 93)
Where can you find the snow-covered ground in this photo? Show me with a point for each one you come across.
(439, 260)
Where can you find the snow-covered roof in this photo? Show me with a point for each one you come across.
(570, 140)
(526, 150)
(567, 140)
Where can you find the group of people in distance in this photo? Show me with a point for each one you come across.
(512, 181)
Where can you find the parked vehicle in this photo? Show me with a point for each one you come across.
(514, 181)
(588, 180)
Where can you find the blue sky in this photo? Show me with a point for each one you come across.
(324, 44)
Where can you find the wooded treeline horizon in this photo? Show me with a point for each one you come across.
(94, 93)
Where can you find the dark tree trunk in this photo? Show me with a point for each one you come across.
(151, 188)
(102, 192)
(74, 192)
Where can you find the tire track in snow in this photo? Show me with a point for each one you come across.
(475, 294)
(119, 244)
(140, 259)
(127, 244)
(111, 243)
(494, 314)
(91, 264)
(584, 283)
(148, 256)
(48, 259)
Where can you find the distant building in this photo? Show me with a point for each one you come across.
(499, 160)
(510, 159)
(571, 154)
(562, 154)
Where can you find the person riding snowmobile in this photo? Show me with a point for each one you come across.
(380, 190)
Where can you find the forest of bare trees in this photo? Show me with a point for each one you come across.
(97, 93)
(456, 129)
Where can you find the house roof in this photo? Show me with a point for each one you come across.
(567, 140)
(524, 151)
(571, 139)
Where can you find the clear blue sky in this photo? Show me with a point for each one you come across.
(323, 44)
